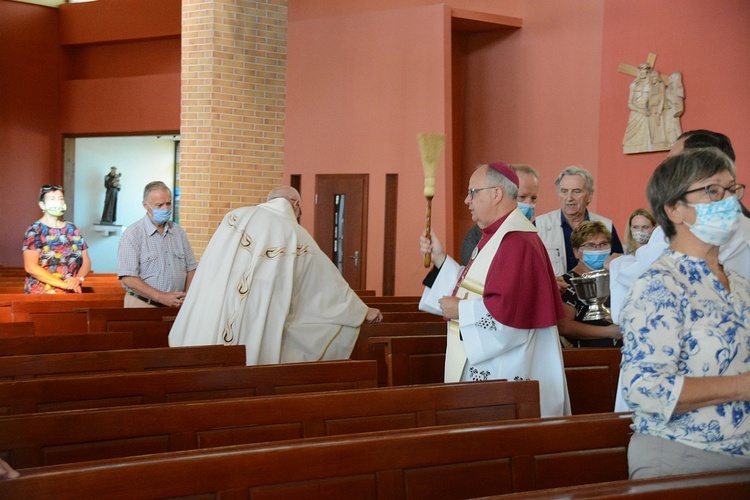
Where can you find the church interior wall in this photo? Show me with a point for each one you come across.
(548, 94)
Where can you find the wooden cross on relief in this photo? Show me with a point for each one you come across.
(656, 103)
(633, 70)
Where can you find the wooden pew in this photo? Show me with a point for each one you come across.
(367, 330)
(463, 461)
(403, 307)
(119, 360)
(102, 319)
(362, 348)
(75, 342)
(45, 311)
(404, 317)
(708, 486)
(592, 374)
(410, 359)
(380, 299)
(198, 384)
(36, 440)
(15, 329)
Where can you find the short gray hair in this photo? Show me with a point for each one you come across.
(676, 174)
(155, 186)
(577, 171)
(526, 169)
(495, 178)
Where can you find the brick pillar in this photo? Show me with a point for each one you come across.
(233, 99)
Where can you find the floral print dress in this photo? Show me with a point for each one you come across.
(60, 253)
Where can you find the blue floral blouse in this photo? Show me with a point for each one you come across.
(679, 321)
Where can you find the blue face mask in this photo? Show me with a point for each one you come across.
(527, 209)
(716, 222)
(161, 215)
(594, 259)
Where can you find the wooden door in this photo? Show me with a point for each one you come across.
(341, 223)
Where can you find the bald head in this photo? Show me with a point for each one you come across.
(290, 194)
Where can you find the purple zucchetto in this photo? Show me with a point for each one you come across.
(505, 169)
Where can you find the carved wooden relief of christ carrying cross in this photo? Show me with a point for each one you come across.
(656, 104)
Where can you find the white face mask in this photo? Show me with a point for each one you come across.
(716, 222)
(641, 237)
(55, 208)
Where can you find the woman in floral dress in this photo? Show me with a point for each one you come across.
(55, 255)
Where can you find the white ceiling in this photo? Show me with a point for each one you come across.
(52, 3)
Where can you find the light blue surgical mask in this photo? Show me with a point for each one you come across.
(527, 209)
(594, 259)
(716, 222)
(161, 215)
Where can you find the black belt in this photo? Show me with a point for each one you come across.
(147, 300)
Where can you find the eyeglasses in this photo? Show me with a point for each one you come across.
(716, 192)
(473, 191)
(47, 188)
(596, 246)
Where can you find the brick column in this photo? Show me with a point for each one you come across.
(233, 100)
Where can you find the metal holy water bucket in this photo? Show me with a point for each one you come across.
(593, 289)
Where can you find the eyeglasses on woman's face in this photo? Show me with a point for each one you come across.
(716, 192)
(604, 245)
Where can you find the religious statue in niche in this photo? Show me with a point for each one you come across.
(112, 183)
(656, 104)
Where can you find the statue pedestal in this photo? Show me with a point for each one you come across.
(108, 229)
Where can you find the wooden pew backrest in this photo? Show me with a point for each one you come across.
(199, 384)
(465, 461)
(35, 440)
(123, 360)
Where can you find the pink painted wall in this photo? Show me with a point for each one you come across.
(533, 96)
(548, 94)
(360, 88)
(709, 43)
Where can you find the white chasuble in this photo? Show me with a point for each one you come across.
(481, 348)
(264, 283)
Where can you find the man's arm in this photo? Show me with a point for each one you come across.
(171, 299)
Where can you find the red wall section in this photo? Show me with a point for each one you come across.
(709, 43)
(30, 143)
(116, 20)
(121, 105)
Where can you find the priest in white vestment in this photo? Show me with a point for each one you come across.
(264, 283)
(504, 305)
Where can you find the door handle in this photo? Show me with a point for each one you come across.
(356, 259)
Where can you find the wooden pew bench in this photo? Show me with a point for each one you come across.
(198, 384)
(413, 316)
(367, 330)
(463, 461)
(45, 311)
(16, 329)
(76, 342)
(36, 440)
(102, 319)
(119, 360)
(709, 486)
(363, 349)
(591, 373)
(384, 299)
(411, 359)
